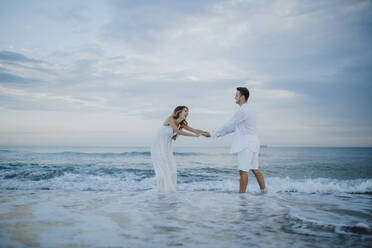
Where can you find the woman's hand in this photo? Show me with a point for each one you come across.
(206, 134)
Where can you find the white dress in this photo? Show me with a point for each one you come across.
(163, 160)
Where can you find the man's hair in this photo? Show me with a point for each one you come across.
(244, 92)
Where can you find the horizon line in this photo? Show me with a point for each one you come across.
(204, 146)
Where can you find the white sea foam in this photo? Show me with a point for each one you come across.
(132, 182)
(310, 222)
(275, 185)
(320, 185)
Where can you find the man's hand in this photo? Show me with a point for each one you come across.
(206, 134)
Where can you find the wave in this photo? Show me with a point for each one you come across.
(34, 176)
(128, 154)
(107, 154)
(284, 185)
(321, 185)
(80, 182)
(99, 154)
(12, 165)
(34, 173)
(5, 151)
(304, 224)
(189, 179)
(43, 172)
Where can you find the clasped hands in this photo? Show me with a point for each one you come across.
(206, 134)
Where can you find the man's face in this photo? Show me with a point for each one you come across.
(238, 97)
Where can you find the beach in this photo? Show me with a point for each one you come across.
(107, 197)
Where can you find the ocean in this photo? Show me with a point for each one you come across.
(107, 197)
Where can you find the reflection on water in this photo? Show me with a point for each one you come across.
(207, 219)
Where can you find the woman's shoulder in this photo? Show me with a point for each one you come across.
(169, 121)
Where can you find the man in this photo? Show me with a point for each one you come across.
(245, 141)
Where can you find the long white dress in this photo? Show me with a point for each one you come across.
(163, 160)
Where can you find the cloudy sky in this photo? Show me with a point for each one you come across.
(109, 72)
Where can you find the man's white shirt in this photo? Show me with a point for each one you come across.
(243, 125)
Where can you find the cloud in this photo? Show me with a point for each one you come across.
(73, 12)
(8, 78)
(8, 56)
(42, 100)
(19, 68)
(307, 64)
(140, 23)
(275, 94)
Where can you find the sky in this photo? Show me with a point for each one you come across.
(108, 73)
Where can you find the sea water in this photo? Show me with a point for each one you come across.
(107, 197)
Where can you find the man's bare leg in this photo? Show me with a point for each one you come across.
(260, 179)
(243, 181)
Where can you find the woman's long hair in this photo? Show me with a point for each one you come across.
(176, 114)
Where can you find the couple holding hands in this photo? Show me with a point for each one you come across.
(245, 143)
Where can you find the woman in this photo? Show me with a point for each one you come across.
(162, 152)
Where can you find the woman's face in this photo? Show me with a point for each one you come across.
(184, 113)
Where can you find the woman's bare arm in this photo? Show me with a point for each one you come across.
(180, 132)
(197, 131)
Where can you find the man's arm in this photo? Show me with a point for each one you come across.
(229, 127)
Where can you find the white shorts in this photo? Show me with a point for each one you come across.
(247, 160)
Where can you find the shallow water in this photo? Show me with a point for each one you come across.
(99, 197)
